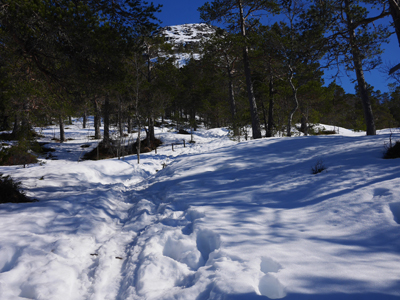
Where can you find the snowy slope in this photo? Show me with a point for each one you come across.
(186, 38)
(187, 33)
(222, 220)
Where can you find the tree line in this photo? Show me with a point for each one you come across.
(104, 58)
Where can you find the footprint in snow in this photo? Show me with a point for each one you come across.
(395, 209)
(269, 285)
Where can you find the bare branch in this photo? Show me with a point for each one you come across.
(394, 69)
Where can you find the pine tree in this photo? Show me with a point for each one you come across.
(296, 47)
(222, 51)
(354, 42)
(239, 15)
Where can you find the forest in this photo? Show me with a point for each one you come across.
(236, 203)
(107, 59)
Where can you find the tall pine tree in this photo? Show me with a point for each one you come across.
(240, 16)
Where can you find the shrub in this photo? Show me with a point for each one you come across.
(318, 167)
(183, 131)
(17, 155)
(116, 150)
(325, 132)
(10, 191)
(392, 151)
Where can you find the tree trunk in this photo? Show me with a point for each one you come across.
(147, 140)
(84, 119)
(22, 126)
(366, 102)
(296, 101)
(120, 117)
(62, 132)
(232, 103)
(137, 111)
(270, 126)
(255, 121)
(97, 120)
(5, 125)
(264, 115)
(152, 135)
(395, 12)
(289, 129)
(16, 128)
(25, 123)
(193, 119)
(362, 85)
(129, 124)
(304, 125)
(106, 117)
(138, 140)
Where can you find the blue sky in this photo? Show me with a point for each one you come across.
(176, 12)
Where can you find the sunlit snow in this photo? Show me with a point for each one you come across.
(185, 37)
(222, 220)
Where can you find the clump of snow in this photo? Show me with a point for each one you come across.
(215, 219)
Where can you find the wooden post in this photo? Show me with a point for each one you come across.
(184, 144)
(172, 146)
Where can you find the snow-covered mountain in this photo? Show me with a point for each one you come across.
(186, 38)
(187, 33)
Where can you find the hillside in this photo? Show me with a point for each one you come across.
(186, 38)
(187, 33)
(216, 219)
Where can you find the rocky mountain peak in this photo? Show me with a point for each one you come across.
(185, 39)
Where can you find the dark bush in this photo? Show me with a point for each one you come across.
(183, 131)
(325, 132)
(318, 167)
(114, 150)
(392, 151)
(17, 155)
(10, 191)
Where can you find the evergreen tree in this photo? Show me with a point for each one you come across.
(393, 103)
(239, 15)
(298, 45)
(353, 41)
(77, 47)
(222, 51)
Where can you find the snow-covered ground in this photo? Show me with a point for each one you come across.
(222, 220)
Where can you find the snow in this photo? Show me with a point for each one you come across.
(222, 220)
(186, 35)
(182, 34)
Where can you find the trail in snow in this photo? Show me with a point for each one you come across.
(82, 232)
(223, 220)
